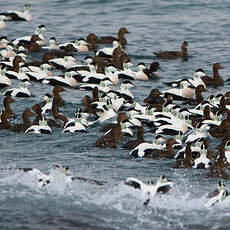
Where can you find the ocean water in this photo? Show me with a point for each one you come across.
(154, 26)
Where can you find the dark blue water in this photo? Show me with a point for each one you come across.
(154, 25)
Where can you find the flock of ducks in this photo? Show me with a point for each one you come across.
(181, 119)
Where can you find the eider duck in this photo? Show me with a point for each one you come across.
(216, 80)
(217, 196)
(18, 15)
(175, 54)
(163, 185)
(23, 91)
(26, 122)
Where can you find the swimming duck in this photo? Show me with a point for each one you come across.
(121, 116)
(154, 97)
(218, 168)
(63, 63)
(186, 162)
(107, 52)
(56, 114)
(163, 185)
(217, 196)
(18, 15)
(145, 148)
(38, 111)
(4, 123)
(53, 44)
(23, 91)
(20, 75)
(59, 172)
(41, 128)
(67, 51)
(16, 63)
(68, 80)
(109, 39)
(185, 92)
(31, 45)
(26, 39)
(134, 143)
(26, 122)
(75, 125)
(6, 103)
(126, 72)
(36, 73)
(144, 73)
(112, 137)
(56, 95)
(163, 153)
(175, 54)
(216, 80)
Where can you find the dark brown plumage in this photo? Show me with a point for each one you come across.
(175, 54)
(163, 153)
(216, 80)
(134, 143)
(21, 128)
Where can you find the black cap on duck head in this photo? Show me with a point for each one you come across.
(127, 82)
(154, 66)
(48, 95)
(3, 37)
(199, 70)
(185, 43)
(141, 63)
(42, 26)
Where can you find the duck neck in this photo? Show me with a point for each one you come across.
(122, 39)
(188, 153)
(199, 97)
(207, 114)
(16, 65)
(216, 74)
(5, 122)
(140, 135)
(26, 120)
(184, 52)
(7, 107)
(170, 149)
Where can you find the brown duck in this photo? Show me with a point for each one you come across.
(56, 95)
(112, 137)
(218, 168)
(5, 124)
(21, 128)
(187, 161)
(163, 153)
(67, 50)
(38, 111)
(175, 54)
(56, 114)
(216, 80)
(154, 97)
(6, 103)
(120, 117)
(109, 39)
(32, 45)
(134, 143)
(16, 65)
